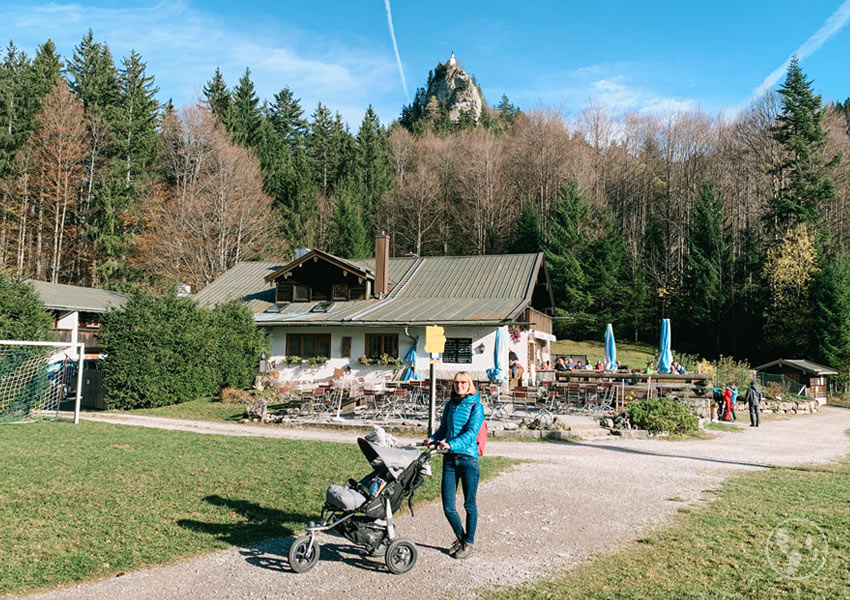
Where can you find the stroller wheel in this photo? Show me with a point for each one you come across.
(401, 556)
(300, 560)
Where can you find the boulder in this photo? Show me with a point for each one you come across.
(257, 410)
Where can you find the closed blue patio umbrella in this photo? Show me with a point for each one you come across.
(410, 359)
(495, 374)
(610, 349)
(665, 356)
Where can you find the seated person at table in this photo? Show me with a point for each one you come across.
(588, 366)
(547, 366)
(560, 365)
(569, 364)
(599, 366)
(650, 368)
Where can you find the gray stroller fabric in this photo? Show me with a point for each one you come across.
(394, 459)
(344, 498)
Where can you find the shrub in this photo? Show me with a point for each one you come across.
(166, 350)
(240, 343)
(662, 415)
(22, 314)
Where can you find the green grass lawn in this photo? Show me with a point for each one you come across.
(206, 409)
(634, 355)
(720, 551)
(96, 499)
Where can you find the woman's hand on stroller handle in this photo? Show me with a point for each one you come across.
(440, 446)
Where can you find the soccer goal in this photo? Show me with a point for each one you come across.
(37, 377)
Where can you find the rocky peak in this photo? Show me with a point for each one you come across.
(455, 89)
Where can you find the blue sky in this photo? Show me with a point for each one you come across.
(649, 56)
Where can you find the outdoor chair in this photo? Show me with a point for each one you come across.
(499, 409)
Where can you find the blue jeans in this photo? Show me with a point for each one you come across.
(459, 467)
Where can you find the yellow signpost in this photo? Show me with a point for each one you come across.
(435, 343)
(435, 339)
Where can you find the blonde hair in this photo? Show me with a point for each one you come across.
(468, 379)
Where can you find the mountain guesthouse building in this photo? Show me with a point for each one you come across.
(323, 312)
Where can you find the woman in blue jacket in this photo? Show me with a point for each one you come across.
(457, 434)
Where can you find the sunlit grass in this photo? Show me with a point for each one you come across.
(719, 551)
(96, 499)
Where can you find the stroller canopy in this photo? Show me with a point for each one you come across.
(394, 459)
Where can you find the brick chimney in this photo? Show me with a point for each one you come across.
(382, 263)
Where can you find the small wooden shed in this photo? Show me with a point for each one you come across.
(805, 372)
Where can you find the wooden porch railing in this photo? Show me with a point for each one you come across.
(539, 321)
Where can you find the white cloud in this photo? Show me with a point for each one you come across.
(611, 85)
(183, 46)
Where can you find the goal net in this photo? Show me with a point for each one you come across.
(36, 378)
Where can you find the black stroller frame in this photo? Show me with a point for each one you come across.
(363, 512)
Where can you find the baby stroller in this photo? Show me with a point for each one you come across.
(363, 511)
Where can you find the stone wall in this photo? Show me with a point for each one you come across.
(782, 407)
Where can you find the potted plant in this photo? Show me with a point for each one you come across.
(318, 361)
(293, 360)
(365, 360)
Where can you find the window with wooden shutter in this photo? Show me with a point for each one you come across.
(346, 346)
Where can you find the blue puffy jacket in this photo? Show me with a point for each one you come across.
(459, 424)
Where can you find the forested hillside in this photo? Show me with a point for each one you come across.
(736, 227)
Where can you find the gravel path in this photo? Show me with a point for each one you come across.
(575, 501)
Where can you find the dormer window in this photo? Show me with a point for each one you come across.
(301, 293)
(340, 291)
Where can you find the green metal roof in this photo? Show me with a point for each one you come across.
(244, 281)
(58, 296)
(800, 364)
(450, 289)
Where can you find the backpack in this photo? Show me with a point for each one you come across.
(481, 440)
(483, 433)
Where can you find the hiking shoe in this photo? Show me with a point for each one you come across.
(456, 546)
(464, 551)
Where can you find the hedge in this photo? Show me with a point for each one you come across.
(165, 350)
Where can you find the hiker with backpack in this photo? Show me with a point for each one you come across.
(458, 434)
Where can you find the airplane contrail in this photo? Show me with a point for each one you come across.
(395, 47)
(835, 23)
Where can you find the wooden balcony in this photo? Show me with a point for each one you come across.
(86, 336)
(539, 321)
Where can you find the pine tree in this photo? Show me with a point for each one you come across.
(507, 111)
(329, 147)
(94, 76)
(287, 119)
(14, 124)
(135, 121)
(350, 239)
(528, 236)
(372, 165)
(831, 296)
(805, 187)
(43, 76)
(565, 248)
(244, 115)
(702, 303)
(217, 96)
(606, 261)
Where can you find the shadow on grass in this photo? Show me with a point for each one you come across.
(265, 538)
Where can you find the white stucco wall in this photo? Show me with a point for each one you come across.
(481, 360)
